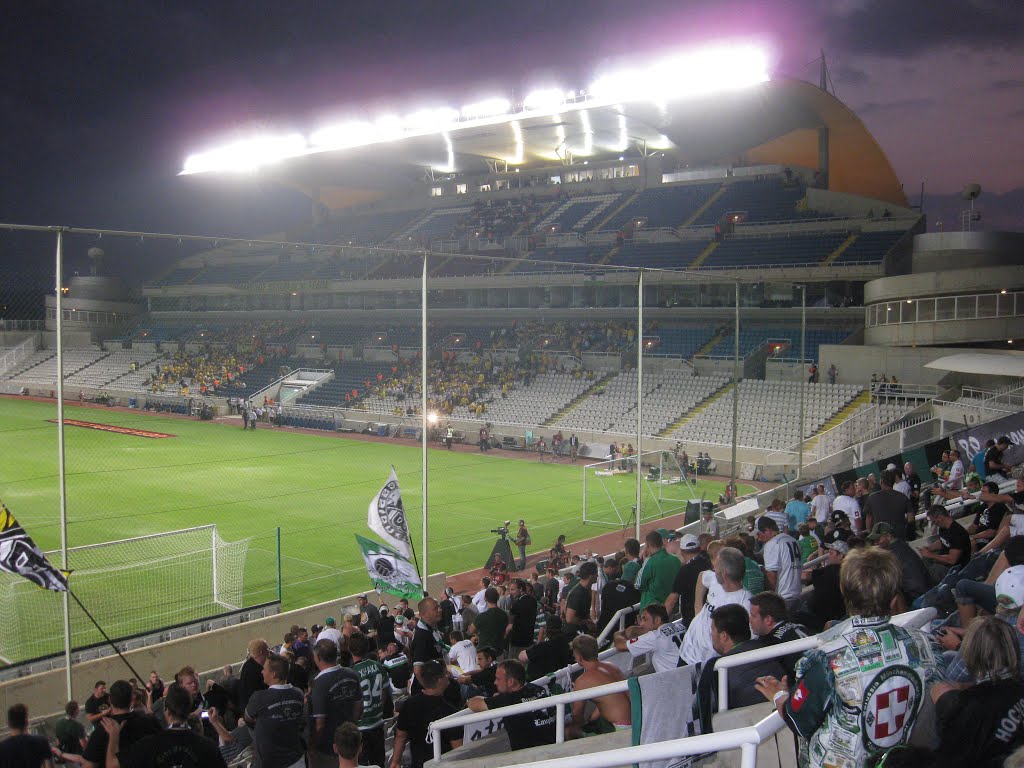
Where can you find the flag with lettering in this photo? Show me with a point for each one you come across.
(389, 571)
(386, 517)
(20, 555)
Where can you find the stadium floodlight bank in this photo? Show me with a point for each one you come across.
(130, 586)
(609, 489)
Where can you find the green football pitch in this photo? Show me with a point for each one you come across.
(315, 488)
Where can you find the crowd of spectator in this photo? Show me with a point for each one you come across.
(839, 566)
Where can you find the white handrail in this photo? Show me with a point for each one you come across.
(618, 618)
(914, 619)
(746, 739)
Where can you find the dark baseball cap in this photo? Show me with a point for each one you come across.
(878, 531)
(668, 535)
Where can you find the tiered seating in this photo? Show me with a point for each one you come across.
(437, 223)
(300, 270)
(45, 372)
(347, 376)
(663, 206)
(674, 255)
(870, 247)
(680, 341)
(780, 400)
(180, 276)
(775, 250)
(752, 338)
(110, 368)
(37, 357)
(547, 394)
(365, 229)
(461, 266)
(135, 381)
(229, 274)
(584, 254)
(579, 213)
(760, 200)
(259, 377)
(667, 396)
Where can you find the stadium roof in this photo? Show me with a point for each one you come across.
(989, 364)
(773, 122)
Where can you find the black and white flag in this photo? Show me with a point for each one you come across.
(386, 517)
(20, 555)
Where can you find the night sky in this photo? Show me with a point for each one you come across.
(102, 101)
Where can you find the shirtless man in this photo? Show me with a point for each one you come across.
(612, 711)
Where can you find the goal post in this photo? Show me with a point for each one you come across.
(609, 489)
(131, 586)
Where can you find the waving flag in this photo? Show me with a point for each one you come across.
(389, 571)
(386, 517)
(20, 555)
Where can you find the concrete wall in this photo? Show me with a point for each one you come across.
(856, 363)
(949, 282)
(951, 250)
(46, 693)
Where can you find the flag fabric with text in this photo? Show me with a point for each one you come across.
(389, 571)
(386, 517)
(20, 555)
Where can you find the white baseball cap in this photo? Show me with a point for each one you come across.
(689, 543)
(1010, 588)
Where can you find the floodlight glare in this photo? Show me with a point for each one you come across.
(545, 98)
(486, 108)
(246, 155)
(352, 134)
(431, 119)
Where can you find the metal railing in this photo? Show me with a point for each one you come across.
(978, 306)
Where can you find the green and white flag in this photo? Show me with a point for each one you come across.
(389, 571)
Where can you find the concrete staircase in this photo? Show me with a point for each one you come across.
(606, 219)
(692, 414)
(861, 400)
(707, 204)
(830, 259)
(704, 255)
(579, 399)
(719, 333)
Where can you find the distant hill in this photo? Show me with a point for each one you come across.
(1005, 212)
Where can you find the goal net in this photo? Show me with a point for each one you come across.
(609, 489)
(132, 586)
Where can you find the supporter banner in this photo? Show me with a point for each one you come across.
(972, 440)
(20, 555)
(386, 516)
(389, 571)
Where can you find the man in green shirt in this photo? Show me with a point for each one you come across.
(374, 684)
(490, 625)
(69, 732)
(658, 572)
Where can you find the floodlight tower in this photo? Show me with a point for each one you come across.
(970, 192)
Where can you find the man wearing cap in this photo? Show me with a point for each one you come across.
(659, 569)
(782, 562)
(616, 594)
(953, 547)
(693, 562)
(330, 632)
(916, 579)
(971, 594)
(846, 503)
(825, 603)
(843, 702)
(889, 506)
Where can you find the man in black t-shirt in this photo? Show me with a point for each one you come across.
(276, 717)
(178, 745)
(133, 725)
(578, 602)
(994, 466)
(986, 522)
(530, 729)
(616, 594)
(426, 640)
(694, 560)
(22, 748)
(522, 615)
(335, 698)
(98, 703)
(888, 506)
(769, 620)
(491, 624)
(915, 579)
(419, 711)
(825, 602)
(953, 547)
(552, 654)
(250, 677)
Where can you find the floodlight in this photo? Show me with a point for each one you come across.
(545, 98)
(431, 119)
(486, 108)
(351, 134)
(432, 417)
(247, 155)
(388, 127)
(517, 134)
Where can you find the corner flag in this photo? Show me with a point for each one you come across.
(20, 555)
(386, 516)
(389, 571)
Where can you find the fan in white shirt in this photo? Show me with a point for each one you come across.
(781, 561)
(655, 635)
(724, 586)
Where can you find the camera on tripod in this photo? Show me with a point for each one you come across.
(503, 530)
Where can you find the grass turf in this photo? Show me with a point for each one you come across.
(316, 488)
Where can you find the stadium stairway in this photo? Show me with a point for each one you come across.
(711, 343)
(607, 258)
(860, 401)
(704, 255)
(707, 204)
(693, 412)
(584, 395)
(615, 212)
(831, 258)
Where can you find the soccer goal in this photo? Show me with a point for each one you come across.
(131, 586)
(609, 489)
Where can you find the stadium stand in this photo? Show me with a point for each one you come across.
(577, 214)
(870, 247)
(788, 338)
(666, 206)
(671, 255)
(776, 250)
(758, 201)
